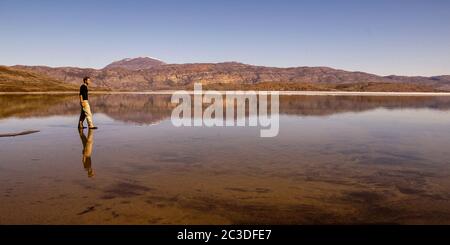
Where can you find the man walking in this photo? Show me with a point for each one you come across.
(85, 108)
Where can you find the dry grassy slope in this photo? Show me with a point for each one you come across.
(17, 80)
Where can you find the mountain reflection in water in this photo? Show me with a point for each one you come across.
(150, 109)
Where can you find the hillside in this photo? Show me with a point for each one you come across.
(135, 64)
(17, 80)
(126, 75)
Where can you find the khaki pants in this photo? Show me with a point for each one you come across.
(86, 114)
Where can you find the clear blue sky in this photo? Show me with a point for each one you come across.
(383, 37)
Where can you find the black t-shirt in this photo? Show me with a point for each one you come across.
(84, 91)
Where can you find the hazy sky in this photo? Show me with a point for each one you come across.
(384, 37)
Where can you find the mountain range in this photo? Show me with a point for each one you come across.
(144, 74)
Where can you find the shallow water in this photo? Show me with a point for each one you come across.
(337, 159)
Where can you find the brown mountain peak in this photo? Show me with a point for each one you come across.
(140, 63)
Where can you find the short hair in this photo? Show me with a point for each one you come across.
(85, 79)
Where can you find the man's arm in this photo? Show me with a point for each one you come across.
(82, 91)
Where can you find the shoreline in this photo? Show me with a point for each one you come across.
(305, 93)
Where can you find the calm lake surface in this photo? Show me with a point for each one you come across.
(336, 160)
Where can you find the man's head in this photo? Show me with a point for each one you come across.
(87, 80)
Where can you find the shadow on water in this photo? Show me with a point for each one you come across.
(19, 133)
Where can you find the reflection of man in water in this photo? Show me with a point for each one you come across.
(87, 150)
